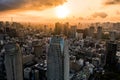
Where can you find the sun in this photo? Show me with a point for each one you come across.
(62, 11)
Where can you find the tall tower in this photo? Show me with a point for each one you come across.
(66, 29)
(111, 53)
(13, 62)
(66, 61)
(58, 60)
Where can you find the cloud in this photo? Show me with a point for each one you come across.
(28, 4)
(99, 14)
(111, 2)
(118, 12)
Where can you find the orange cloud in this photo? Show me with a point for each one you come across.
(99, 14)
(111, 2)
(28, 4)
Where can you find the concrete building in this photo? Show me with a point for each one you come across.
(58, 60)
(13, 62)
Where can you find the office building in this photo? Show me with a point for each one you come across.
(58, 28)
(73, 31)
(13, 62)
(66, 61)
(111, 49)
(66, 29)
(58, 60)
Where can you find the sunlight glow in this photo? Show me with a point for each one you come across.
(62, 11)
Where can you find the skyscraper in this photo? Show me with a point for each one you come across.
(66, 61)
(58, 28)
(99, 32)
(111, 53)
(13, 62)
(73, 31)
(58, 60)
(66, 29)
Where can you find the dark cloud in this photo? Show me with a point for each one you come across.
(28, 4)
(99, 14)
(111, 2)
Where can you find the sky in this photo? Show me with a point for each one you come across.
(45, 10)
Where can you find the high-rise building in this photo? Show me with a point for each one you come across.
(73, 31)
(58, 60)
(13, 62)
(111, 49)
(58, 28)
(66, 61)
(66, 29)
(99, 32)
(91, 31)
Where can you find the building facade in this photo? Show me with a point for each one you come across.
(13, 62)
(58, 60)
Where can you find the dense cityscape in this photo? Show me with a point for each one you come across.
(61, 52)
(59, 39)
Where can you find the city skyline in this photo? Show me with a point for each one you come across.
(60, 10)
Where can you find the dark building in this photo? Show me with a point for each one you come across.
(73, 31)
(91, 31)
(66, 29)
(13, 62)
(58, 28)
(2, 68)
(111, 49)
(85, 33)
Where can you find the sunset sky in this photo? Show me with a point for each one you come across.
(47, 10)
